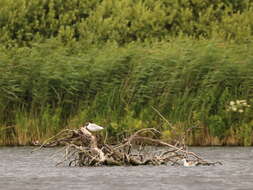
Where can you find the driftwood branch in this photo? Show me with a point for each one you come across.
(81, 148)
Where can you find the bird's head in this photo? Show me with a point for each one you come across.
(184, 160)
(86, 123)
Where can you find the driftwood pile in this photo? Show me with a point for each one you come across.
(81, 148)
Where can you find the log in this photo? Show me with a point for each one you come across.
(81, 148)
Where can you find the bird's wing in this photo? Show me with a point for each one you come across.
(95, 126)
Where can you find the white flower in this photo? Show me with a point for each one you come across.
(238, 102)
(234, 108)
(232, 103)
(240, 110)
(244, 103)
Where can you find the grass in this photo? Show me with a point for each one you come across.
(48, 87)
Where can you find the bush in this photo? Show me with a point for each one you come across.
(123, 21)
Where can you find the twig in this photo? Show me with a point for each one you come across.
(46, 141)
(81, 147)
(170, 124)
(5, 128)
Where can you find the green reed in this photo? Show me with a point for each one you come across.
(49, 86)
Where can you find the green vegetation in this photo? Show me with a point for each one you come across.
(65, 62)
(123, 21)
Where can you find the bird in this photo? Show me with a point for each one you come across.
(188, 163)
(36, 143)
(92, 127)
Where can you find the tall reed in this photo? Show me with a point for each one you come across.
(50, 86)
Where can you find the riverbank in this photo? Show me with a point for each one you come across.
(63, 63)
(49, 86)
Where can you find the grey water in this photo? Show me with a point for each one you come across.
(21, 169)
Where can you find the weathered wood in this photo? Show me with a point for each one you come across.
(83, 149)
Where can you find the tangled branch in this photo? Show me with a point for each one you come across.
(81, 148)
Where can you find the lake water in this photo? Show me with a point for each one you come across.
(19, 169)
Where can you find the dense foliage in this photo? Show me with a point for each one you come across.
(192, 83)
(123, 21)
(113, 61)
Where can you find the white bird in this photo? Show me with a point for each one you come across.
(92, 127)
(188, 163)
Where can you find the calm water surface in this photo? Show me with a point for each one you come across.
(19, 169)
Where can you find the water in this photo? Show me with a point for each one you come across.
(19, 169)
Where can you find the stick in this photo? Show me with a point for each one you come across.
(170, 124)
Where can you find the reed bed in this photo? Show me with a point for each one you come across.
(48, 86)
